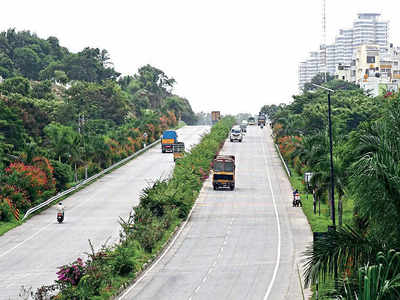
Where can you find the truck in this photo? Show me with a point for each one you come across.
(178, 150)
(168, 139)
(215, 117)
(261, 119)
(224, 172)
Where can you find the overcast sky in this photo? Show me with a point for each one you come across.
(233, 56)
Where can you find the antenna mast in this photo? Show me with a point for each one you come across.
(323, 46)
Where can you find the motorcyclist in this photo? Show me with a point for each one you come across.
(60, 208)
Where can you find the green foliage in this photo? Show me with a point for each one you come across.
(63, 174)
(42, 90)
(98, 101)
(376, 172)
(63, 140)
(11, 128)
(365, 149)
(19, 85)
(6, 214)
(25, 53)
(378, 281)
(90, 123)
(162, 207)
(318, 79)
(27, 62)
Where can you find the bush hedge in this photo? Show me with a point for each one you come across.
(163, 206)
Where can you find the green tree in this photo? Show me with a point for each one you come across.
(63, 141)
(27, 62)
(18, 85)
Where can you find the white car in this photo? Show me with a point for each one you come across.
(236, 134)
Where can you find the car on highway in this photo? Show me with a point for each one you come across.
(236, 134)
(252, 121)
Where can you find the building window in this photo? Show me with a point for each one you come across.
(370, 59)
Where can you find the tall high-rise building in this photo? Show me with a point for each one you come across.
(368, 29)
(309, 68)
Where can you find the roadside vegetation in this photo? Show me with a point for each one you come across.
(163, 206)
(66, 116)
(364, 248)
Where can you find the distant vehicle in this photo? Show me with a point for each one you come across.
(178, 150)
(169, 137)
(224, 172)
(236, 134)
(252, 121)
(215, 117)
(261, 119)
(243, 127)
(60, 217)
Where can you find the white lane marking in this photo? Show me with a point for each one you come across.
(24, 241)
(204, 279)
(278, 256)
(72, 209)
(162, 255)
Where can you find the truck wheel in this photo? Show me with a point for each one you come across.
(163, 150)
(215, 187)
(231, 140)
(232, 187)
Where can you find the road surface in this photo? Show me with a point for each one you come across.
(242, 244)
(31, 253)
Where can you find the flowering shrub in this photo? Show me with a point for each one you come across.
(16, 196)
(162, 206)
(71, 274)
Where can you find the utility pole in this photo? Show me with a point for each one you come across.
(330, 152)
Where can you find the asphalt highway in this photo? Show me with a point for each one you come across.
(241, 244)
(31, 253)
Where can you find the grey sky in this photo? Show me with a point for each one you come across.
(232, 56)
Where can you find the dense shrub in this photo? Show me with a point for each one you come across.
(63, 174)
(162, 206)
(6, 214)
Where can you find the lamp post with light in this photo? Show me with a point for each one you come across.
(330, 152)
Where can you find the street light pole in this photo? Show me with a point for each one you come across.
(330, 152)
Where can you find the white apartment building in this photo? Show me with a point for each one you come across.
(309, 68)
(373, 68)
(367, 29)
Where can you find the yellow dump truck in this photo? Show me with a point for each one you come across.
(224, 172)
(178, 150)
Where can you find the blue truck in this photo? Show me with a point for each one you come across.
(168, 139)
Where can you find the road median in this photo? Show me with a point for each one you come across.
(164, 205)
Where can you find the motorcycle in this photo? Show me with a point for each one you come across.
(297, 202)
(261, 126)
(60, 217)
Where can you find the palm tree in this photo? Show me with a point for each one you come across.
(376, 174)
(380, 281)
(348, 248)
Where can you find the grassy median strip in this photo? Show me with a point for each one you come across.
(163, 206)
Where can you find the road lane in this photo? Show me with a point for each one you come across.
(31, 253)
(230, 247)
